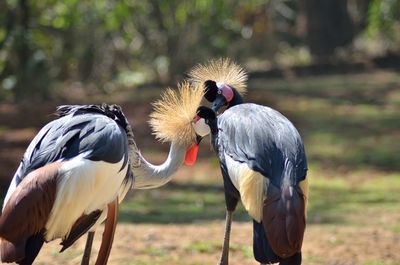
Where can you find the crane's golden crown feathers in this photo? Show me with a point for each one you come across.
(171, 120)
(220, 70)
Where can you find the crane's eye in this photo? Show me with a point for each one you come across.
(219, 91)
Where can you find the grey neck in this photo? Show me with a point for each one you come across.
(149, 176)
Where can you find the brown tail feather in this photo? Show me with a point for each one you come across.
(25, 213)
(81, 226)
(284, 219)
(11, 252)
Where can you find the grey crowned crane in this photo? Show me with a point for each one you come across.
(80, 166)
(263, 163)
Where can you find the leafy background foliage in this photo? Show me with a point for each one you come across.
(49, 45)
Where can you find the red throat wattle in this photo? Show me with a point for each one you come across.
(191, 154)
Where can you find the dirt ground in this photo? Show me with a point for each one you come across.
(199, 244)
(371, 242)
(369, 237)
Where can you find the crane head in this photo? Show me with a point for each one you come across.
(206, 118)
(219, 77)
(202, 129)
(202, 119)
(171, 120)
(220, 94)
(222, 70)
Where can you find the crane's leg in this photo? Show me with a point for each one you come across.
(232, 197)
(108, 234)
(88, 248)
(227, 234)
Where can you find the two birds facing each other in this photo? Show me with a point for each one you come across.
(80, 166)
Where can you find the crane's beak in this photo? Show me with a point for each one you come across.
(219, 101)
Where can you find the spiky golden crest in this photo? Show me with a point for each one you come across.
(220, 70)
(171, 120)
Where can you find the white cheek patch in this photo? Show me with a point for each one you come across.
(201, 128)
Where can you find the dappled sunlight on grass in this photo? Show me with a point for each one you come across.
(346, 121)
(334, 198)
(370, 88)
(177, 204)
(337, 200)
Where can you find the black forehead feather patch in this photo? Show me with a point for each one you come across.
(205, 113)
(211, 90)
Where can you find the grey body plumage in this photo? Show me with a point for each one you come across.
(268, 143)
(262, 162)
(97, 133)
(84, 129)
(264, 139)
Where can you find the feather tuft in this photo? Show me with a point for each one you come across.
(252, 187)
(171, 120)
(304, 188)
(220, 70)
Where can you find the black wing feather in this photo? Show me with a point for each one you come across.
(99, 132)
(264, 139)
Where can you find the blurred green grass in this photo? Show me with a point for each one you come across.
(339, 201)
(334, 200)
(350, 121)
(177, 203)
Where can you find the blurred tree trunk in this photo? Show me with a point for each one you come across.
(174, 48)
(362, 7)
(31, 71)
(328, 26)
(23, 51)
